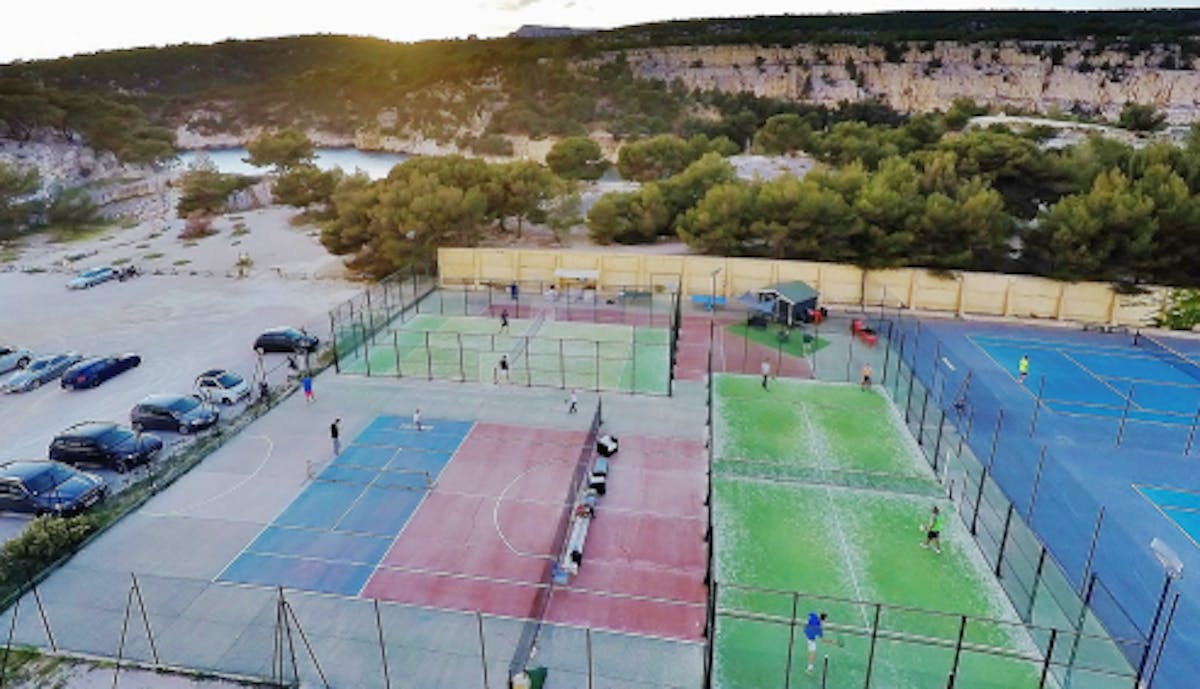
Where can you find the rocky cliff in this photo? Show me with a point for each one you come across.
(1034, 77)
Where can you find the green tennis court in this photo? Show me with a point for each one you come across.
(818, 489)
(564, 354)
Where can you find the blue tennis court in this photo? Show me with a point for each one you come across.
(337, 531)
(1156, 384)
(1180, 506)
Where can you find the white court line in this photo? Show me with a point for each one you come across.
(816, 447)
(233, 487)
(496, 514)
(1088, 371)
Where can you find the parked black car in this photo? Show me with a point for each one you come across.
(183, 413)
(95, 370)
(104, 444)
(285, 340)
(42, 487)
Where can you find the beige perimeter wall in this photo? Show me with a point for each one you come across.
(963, 293)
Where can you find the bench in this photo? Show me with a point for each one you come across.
(708, 301)
(580, 522)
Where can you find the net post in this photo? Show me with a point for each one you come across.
(1124, 415)
(1003, 539)
(1187, 449)
(1087, 565)
(824, 672)
(787, 681)
(1037, 482)
(1037, 405)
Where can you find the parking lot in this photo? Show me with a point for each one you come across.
(181, 325)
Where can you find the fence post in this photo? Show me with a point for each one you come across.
(462, 372)
(1037, 406)
(983, 476)
(482, 649)
(12, 627)
(137, 590)
(1162, 599)
(428, 358)
(370, 311)
(899, 364)
(597, 356)
(787, 682)
(1088, 587)
(562, 365)
(1087, 566)
(337, 368)
(1163, 644)
(995, 439)
(937, 445)
(1124, 415)
(528, 370)
(874, 636)
(1037, 482)
(1048, 656)
(387, 680)
(396, 349)
(962, 631)
(1003, 539)
(921, 428)
(366, 345)
(912, 383)
(887, 354)
(1037, 580)
(1187, 449)
(588, 632)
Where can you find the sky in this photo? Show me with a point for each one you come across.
(36, 29)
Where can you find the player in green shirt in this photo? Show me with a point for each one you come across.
(1023, 369)
(933, 531)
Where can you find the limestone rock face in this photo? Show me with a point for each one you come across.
(1038, 77)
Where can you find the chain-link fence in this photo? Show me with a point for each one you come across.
(287, 638)
(1036, 523)
(622, 342)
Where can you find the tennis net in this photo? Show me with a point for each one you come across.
(807, 474)
(529, 633)
(1168, 354)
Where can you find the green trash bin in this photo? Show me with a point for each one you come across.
(537, 677)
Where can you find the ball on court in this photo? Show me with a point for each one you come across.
(920, 527)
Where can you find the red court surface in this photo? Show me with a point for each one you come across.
(732, 353)
(483, 539)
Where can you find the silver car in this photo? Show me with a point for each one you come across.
(14, 357)
(41, 370)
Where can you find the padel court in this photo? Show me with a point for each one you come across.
(540, 350)
(821, 500)
(1181, 507)
(1148, 381)
(465, 516)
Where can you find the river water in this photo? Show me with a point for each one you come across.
(231, 160)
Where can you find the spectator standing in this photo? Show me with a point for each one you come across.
(766, 372)
(335, 435)
(417, 418)
(573, 402)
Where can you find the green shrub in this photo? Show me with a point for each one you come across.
(44, 540)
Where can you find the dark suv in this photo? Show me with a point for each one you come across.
(44, 487)
(183, 413)
(285, 340)
(105, 444)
